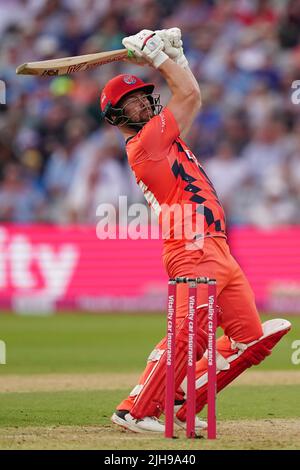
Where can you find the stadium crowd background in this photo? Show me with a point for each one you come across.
(58, 160)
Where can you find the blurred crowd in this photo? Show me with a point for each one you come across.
(59, 161)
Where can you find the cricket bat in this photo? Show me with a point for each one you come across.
(68, 65)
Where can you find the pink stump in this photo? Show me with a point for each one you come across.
(170, 351)
(211, 358)
(191, 360)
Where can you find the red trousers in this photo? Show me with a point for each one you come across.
(239, 318)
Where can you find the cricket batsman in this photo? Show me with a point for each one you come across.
(170, 175)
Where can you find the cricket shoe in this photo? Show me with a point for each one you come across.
(199, 424)
(148, 424)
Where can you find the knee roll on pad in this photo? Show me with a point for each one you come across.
(202, 312)
(245, 356)
(150, 397)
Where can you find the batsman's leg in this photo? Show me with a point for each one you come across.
(246, 341)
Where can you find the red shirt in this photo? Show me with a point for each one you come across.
(169, 173)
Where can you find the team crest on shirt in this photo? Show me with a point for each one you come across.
(129, 79)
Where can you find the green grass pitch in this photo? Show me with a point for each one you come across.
(119, 344)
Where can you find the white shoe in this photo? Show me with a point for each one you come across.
(199, 424)
(148, 424)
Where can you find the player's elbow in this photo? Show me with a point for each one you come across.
(192, 91)
(194, 98)
(197, 98)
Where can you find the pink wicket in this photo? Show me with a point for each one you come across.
(191, 360)
(170, 382)
(211, 361)
(191, 357)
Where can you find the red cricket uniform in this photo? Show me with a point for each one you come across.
(169, 173)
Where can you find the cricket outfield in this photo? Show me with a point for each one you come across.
(65, 374)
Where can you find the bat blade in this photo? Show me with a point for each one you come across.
(68, 65)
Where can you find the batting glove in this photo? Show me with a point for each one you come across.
(173, 45)
(147, 44)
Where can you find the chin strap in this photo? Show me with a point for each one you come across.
(115, 116)
(137, 126)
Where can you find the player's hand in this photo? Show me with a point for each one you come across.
(173, 45)
(133, 59)
(148, 45)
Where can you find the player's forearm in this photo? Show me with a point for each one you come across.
(181, 81)
(187, 68)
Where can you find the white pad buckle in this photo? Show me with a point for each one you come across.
(155, 355)
(136, 390)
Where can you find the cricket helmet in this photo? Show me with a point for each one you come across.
(115, 90)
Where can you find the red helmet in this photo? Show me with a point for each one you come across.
(118, 87)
